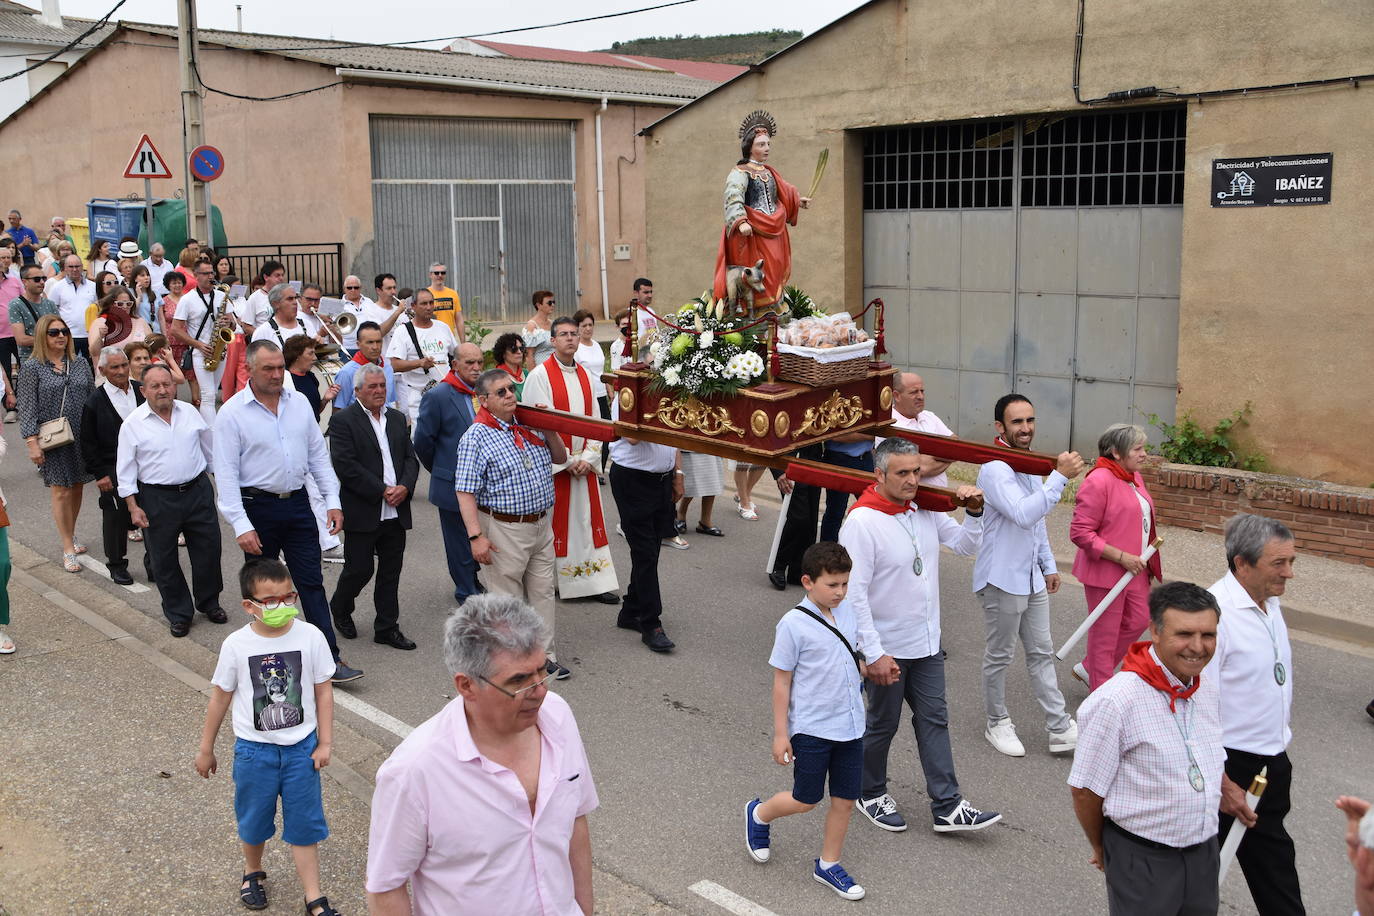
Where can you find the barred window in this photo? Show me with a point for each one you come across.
(1095, 159)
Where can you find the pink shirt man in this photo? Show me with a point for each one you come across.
(458, 826)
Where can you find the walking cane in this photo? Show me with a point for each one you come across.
(1237, 831)
(1102, 605)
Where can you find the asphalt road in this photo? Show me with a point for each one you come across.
(679, 743)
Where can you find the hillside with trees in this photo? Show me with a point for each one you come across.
(743, 49)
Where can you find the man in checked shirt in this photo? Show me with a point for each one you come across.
(1147, 773)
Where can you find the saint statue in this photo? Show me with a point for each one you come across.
(759, 206)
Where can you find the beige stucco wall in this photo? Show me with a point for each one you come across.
(298, 170)
(1297, 341)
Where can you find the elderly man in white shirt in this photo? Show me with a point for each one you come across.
(267, 441)
(1014, 576)
(909, 412)
(354, 303)
(1253, 666)
(164, 450)
(894, 588)
(158, 267)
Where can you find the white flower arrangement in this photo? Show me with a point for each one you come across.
(712, 355)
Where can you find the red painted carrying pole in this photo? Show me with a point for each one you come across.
(948, 448)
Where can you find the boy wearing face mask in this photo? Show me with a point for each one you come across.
(275, 673)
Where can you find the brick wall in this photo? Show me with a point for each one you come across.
(1328, 520)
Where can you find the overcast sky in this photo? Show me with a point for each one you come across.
(397, 20)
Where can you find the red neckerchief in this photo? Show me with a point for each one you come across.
(1002, 442)
(518, 432)
(872, 498)
(518, 376)
(562, 481)
(1115, 467)
(1139, 661)
(453, 379)
(360, 359)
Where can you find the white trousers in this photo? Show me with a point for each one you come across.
(209, 387)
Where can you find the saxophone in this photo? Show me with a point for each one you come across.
(223, 333)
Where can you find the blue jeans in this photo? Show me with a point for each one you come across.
(264, 772)
(837, 501)
(287, 527)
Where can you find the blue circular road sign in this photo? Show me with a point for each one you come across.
(207, 163)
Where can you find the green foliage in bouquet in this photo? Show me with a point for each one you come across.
(719, 358)
(796, 301)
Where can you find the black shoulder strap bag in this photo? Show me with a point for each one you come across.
(854, 654)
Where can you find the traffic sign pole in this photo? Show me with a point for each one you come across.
(148, 211)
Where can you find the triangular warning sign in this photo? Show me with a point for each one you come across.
(146, 162)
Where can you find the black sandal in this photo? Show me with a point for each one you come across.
(323, 903)
(710, 529)
(254, 896)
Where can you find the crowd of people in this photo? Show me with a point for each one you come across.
(185, 405)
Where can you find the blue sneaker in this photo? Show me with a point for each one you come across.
(755, 834)
(838, 880)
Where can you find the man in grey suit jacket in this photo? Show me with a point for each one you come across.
(446, 412)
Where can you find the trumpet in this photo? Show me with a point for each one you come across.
(223, 335)
(340, 327)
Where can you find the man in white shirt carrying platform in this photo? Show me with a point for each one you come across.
(1253, 667)
(164, 451)
(1013, 577)
(894, 588)
(909, 412)
(420, 354)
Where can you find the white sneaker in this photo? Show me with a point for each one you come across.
(6, 644)
(333, 554)
(1064, 742)
(1081, 673)
(1003, 737)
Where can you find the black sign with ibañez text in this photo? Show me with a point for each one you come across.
(1272, 181)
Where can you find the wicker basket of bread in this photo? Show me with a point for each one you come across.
(823, 350)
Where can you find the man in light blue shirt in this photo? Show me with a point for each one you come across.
(1013, 577)
(369, 351)
(267, 441)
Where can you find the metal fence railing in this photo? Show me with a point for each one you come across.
(320, 263)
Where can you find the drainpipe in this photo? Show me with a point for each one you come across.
(601, 212)
(51, 15)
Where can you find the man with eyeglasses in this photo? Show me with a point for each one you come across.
(73, 294)
(161, 462)
(447, 307)
(503, 480)
(286, 321)
(442, 810)
(26, 308)
(193, 323)
(354, 303)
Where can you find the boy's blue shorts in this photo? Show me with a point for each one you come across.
(262, 772)
(813, 758)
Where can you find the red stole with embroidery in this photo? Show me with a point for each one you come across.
(563, 481)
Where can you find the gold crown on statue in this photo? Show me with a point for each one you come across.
(755, 121)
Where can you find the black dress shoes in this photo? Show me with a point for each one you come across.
(345, 628)
(121, 577)
(395, 639)
(779, 580)
(216, 615)
(658, 641)
(627, 624)
(180, 628)
(607, 598)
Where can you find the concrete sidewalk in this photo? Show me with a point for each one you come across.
(103, 810)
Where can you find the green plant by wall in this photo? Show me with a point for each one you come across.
(1188, 442)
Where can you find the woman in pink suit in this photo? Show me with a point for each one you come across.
(1113, 523)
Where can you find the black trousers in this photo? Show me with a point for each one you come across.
(1266, 855)
(286, 527)
(799, 528)
(604, 403)
(114, 533)
(645, 501)
(192, 512)
(388, 544)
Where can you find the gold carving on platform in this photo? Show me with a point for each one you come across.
(627, 400)
(692, 414)
(885, 398)
(780, 424)
(759, 423)
(837, 412)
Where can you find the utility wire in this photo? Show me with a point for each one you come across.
(71, 44)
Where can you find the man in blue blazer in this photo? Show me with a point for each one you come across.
(446, 412)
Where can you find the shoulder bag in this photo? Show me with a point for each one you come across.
(853, 653)
(57, 433)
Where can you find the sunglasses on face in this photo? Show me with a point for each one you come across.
(57, 332)
(352, 287)
(439, 273)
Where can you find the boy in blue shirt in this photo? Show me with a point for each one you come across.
(818, 713)
(276, 673)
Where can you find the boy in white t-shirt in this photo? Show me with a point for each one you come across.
(276, 674)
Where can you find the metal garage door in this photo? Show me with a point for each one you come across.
(1040, 255)
(493, 199)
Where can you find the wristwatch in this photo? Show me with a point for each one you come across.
(473, 537)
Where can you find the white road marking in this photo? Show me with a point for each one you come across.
(101, 569)
(371, 713)
(727, 899)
